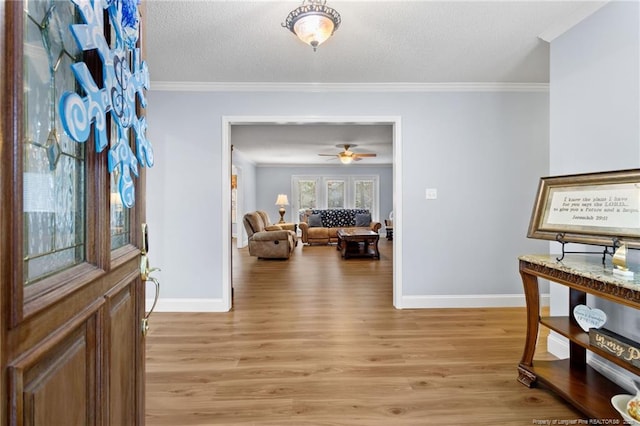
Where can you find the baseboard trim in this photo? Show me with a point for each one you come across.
(621, 377)
(187, 305)
(558, 345)
(408, 302)
(468, 301)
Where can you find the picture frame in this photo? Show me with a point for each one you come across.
(600, 208)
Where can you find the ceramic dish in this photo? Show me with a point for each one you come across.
(620, 402)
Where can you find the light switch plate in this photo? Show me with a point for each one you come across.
(431, 193)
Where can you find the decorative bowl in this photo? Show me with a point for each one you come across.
(620, 402)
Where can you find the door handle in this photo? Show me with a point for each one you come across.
(145, 275)
(145, 320)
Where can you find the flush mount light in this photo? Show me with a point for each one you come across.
(313, 22)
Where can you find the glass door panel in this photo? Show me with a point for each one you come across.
(54, 189)
(120, 226)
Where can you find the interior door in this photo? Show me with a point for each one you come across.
(72, 297)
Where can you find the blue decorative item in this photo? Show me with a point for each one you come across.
(122, 84)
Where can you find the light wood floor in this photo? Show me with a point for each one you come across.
(315, 340)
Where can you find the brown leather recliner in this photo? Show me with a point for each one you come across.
(267, 241)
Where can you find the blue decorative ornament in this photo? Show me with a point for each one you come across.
(123, 84)
(130, 22)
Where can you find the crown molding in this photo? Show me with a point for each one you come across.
(188, 86)
(320, 166)
(571, 21)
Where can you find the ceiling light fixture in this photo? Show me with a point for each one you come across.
(313, 22)
(345, 159)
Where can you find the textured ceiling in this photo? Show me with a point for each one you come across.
(378, 41)
(301, 143)
(196, 43)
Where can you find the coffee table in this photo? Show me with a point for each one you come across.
(358, 243)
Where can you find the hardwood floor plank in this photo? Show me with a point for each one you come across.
(315, 340)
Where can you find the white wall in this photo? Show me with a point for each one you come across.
(483, 151)
(595, 114)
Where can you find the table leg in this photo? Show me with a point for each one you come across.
(577, 353)
(532, 296)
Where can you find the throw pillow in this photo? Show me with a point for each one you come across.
(315, 221)
(363, 219)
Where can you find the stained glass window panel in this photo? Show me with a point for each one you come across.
(54, 166)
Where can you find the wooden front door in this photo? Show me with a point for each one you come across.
(72, 297)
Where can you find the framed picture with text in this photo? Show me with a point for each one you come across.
(594, 208)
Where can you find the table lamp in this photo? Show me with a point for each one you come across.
(282, 201)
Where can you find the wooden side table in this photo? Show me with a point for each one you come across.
(573, 379)
(388, 225)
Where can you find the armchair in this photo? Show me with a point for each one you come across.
(267, 241)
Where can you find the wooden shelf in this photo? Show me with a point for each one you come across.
(586, 389)
(568, 329)
(573, 379)
(565, 327)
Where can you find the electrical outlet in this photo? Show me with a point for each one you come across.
(431, 193)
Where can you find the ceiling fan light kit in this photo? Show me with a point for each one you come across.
(347, 156)
(313, 22)
(345, 159)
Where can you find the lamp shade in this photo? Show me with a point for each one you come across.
(282, 200)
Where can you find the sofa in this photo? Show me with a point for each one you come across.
(266, 240)
(320, 226)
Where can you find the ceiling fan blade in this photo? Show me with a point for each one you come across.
(364, 155)
(327, 155)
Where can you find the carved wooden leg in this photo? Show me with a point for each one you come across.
(532, 296)
(526, 377)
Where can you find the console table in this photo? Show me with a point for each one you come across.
(573, 379)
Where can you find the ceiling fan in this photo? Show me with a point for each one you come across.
(347, 156)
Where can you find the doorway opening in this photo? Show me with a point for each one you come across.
(227, 126)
